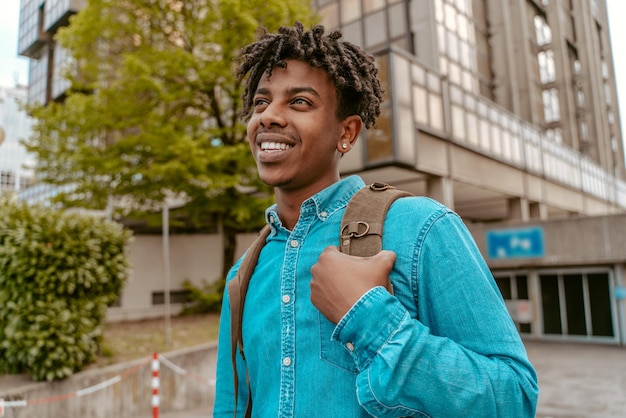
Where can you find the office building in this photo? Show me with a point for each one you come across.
(506, 111)
(16, 166)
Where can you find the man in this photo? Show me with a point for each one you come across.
(322, 335)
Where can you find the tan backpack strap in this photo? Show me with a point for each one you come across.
(363, 220)
(237, 289)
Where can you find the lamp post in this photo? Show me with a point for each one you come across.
(166, 272)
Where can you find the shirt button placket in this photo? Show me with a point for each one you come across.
(288, 289)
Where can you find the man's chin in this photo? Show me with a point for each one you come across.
(275, 182)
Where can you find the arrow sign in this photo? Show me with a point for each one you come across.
(515, 243)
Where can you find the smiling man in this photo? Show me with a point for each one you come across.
(322, 335)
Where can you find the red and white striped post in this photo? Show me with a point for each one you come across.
(155, 385)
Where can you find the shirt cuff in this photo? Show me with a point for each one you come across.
(369, 324)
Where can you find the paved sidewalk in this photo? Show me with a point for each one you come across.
(196, 413)
(579, 380)
(575, 381)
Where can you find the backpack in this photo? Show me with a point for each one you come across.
(361, 235)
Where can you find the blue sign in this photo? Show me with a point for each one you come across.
(515, 243)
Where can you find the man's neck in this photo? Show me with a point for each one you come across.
(289, 203)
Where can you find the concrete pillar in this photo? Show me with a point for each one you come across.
(518, 208)
(538, 211)
(441, 189)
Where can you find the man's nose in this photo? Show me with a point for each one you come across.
(273, 115)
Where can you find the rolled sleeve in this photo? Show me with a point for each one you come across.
(369, 325)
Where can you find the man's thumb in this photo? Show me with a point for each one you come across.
(386, 256)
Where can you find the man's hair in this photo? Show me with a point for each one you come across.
(352, 70)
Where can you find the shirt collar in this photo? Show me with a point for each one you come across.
(324, 203)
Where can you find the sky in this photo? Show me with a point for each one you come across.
(15, 69)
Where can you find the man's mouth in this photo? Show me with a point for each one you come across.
(274, 146)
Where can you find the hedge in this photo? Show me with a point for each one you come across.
(58, 273)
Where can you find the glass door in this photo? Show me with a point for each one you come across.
(577, 304)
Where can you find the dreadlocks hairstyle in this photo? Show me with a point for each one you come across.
(351, 69)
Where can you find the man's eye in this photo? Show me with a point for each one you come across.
(260, 102)
(300, 101)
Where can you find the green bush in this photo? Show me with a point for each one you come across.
(58, 273)
(205, 298)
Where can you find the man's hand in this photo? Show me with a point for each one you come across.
(339, 280)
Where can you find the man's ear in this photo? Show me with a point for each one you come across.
(350, 131)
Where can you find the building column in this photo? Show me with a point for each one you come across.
(441, 189)
(538, 211)
(518, 208)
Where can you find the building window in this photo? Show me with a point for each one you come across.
(378, 139)
(577, 304)
(580, 98)
(514, 290)
(543, 33)
(578, 67)
(605, 70)
(330, 15)
(551, 110)
(350, 10)
(7, 180)
(546, 66)
(176, 296)
(555, 135)
(376, 33)
(373, 5)
(584, 130)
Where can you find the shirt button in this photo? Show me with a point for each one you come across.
(271, 219)
(286, 298)
(287, 361)
(350, 346)
(323, 214)
(294, 243)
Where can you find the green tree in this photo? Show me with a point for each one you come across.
(153, 109)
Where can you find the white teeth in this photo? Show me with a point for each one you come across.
(274, 146)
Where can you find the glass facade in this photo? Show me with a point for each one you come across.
(31, 26)
(370, 24)
(452, 96)
(39, 20)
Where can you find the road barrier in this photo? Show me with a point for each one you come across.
(155, 360)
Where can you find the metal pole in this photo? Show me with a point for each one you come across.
(166, 272)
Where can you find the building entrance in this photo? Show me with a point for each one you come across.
(576, 304)
(570, 304)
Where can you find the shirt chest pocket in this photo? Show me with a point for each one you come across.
(334, 352)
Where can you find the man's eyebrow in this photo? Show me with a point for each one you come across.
(291, 91)
(263, 91)
(296, 90)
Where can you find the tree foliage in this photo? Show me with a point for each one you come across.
(153, 108)
(58, 273)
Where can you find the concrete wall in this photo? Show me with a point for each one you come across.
(577, 241)
(196, 257)
(130, 397)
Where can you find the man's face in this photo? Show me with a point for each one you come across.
(293, 132)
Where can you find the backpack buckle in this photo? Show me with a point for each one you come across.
(379, 187)
(354, 230)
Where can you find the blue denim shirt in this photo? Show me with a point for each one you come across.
(442, 346)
